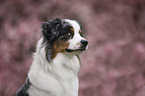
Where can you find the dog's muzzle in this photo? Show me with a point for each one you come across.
(83, 46)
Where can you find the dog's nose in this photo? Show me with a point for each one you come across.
(84, 42)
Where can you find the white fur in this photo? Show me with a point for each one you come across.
(60, 76)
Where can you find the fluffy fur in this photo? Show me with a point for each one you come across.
(54, 70)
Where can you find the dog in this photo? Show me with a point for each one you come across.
(54, 70)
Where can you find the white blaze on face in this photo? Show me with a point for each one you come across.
(75, 42)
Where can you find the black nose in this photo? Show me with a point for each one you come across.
(84, 42)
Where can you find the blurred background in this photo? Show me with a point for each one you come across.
(114, 64)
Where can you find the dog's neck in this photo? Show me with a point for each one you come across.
(60, 74)
(67, 60)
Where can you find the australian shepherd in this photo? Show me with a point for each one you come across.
(55, 67)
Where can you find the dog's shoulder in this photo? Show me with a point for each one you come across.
(23, 91)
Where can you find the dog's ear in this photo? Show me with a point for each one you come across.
(50, 29)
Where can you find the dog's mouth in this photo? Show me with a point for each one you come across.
(74, 50)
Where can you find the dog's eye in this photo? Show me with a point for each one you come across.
(68, 34)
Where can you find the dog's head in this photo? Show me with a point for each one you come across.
(63, 35)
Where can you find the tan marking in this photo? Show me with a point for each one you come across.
(59, 47)
(78, 43)
(80, 31)
(72, 29)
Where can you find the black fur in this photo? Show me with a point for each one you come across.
(52, 31)
(23, 90)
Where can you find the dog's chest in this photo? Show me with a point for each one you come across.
(66, 65)
(61, 79)
(67, 69)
